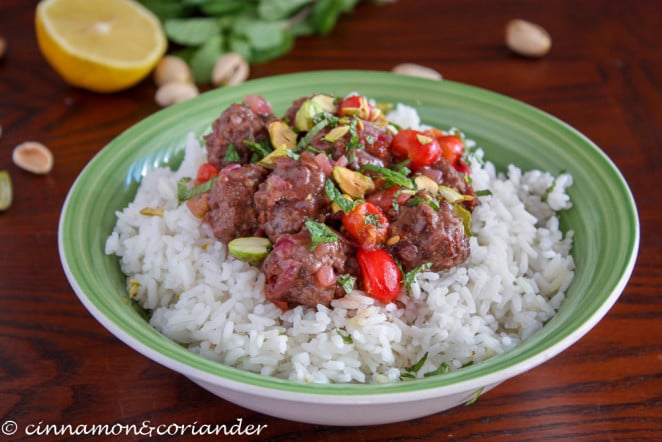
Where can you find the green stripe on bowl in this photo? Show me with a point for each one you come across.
(604, 216)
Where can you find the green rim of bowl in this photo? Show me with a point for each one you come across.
(604, 216)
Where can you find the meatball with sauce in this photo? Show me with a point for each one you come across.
(297, 275)
(293, 192)
(236, 125)
(429, 235)
(231, 214)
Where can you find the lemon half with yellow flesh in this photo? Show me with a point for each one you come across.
(103, 46)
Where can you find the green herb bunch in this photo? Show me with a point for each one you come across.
(258, 30)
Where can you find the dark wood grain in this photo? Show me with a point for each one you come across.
(603, 76)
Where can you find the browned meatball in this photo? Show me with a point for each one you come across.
(238, 123)
(295, 275)
(232, 213)
(429, 235)
(293, 192)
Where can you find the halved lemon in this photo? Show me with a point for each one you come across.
(103, 46)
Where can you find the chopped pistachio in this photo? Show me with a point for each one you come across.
(426, 183)
(336, 133)
(5, 190)
(327, 102)
(151, 211)
(269, 162)
(133, 288)
(453, 196)
(303, 120)
(378, 118)
(423, 139)
(252, 249)
(353, 183)
(281, 134)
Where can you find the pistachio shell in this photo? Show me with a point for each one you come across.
(527, 39)
(229, 70)
(33, 157)
(175, 92)
(416, 70)
(172, 69)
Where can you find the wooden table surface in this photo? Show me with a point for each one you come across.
(603, 76)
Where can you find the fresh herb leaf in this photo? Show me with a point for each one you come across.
(442, 369)
(292, 154)
(347, 282)
(279, 9)
(391, 177)
(410, 276)
(184, 193)
(394, 201)
(223, 7)
(317, 127)
(231, 155)
(319, 233)
(373, 218)
(261, 34)
(432, 203)
(337, 197)
(475, 396)
(549, 190)
(407, 375)
(401, 167)
(416, 200)
(483, 192)
(191, 31)
(166, 9)
(204, 58)
(325, 13)
(261, 149)
(417, 366)
(346, 337)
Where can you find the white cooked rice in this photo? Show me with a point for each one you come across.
(513, 282)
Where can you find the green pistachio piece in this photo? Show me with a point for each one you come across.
(327, 102)
(352, 183)
(252, 249)
(281, 134)
(5, 190)
(336, 133)
(303, 119)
